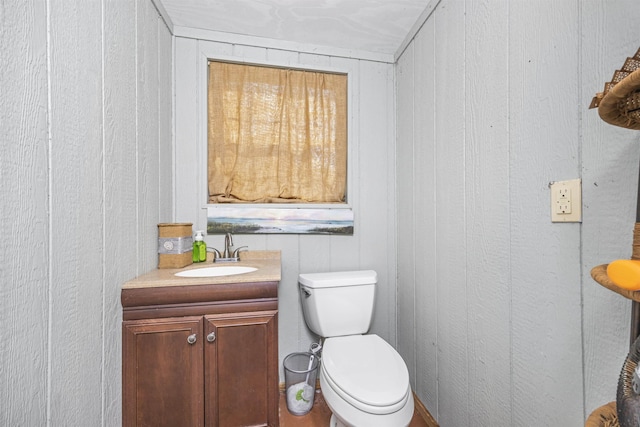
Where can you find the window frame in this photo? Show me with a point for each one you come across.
(203, 196)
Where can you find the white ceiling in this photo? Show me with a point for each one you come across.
(378, 26)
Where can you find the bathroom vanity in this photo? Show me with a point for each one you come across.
(202, 351)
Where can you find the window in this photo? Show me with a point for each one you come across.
(276, 135)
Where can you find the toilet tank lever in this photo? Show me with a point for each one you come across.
(305, 291)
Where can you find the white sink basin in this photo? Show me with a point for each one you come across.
(227, 270)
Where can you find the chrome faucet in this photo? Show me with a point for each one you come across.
(228, 246)
(229, 254)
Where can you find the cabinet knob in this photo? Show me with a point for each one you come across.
(191, 339)
(211, 337)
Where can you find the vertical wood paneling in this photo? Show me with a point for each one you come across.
(426, 322)
(391, 261)
(76, 213)
(544, 123)
(610, 174)
(406, 228)
(513, 80)
(119, 216)
(24, 281)
(71, 171)
(487, 212)
(375, 134)
(186, 131)
(148, 133)
(165, 122)
(451, 264)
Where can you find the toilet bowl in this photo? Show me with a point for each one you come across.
(363, 379)
(365, 382)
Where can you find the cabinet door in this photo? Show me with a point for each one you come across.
(241, 370)
(162, 372)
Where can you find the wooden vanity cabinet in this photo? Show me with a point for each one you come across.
(238, 372)
(206, 356)
(162, 373)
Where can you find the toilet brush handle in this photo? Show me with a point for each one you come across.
(306, 380)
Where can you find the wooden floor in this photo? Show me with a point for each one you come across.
(320, 414)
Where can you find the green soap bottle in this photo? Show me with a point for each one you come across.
(199, 248)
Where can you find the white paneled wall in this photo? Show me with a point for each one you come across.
(498, 317)
(490, 304)
(24, 294)
(371, 136)
(86, 158)
(544, 146)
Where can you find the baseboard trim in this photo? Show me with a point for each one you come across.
(424, 413)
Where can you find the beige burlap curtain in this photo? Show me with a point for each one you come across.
(276, 135)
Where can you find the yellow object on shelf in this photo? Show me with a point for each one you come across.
(625, 273)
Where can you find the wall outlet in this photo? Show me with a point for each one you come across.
(566, 201)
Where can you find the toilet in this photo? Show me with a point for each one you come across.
(363, 379)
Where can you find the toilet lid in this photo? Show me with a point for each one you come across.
(366, 368)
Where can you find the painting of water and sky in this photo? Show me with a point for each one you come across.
(244, 220)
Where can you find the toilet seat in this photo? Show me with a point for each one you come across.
(367, 372)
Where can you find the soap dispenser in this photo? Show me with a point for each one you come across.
(199, 247)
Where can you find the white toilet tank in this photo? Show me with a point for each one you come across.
(338, 303)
